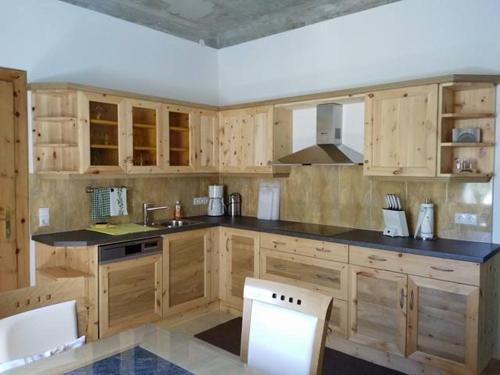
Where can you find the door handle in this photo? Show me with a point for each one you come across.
(376, 258)
(322, 250)
(6, 218)
(411, 300)
(401, 298)
(227, 245)
(442, 269)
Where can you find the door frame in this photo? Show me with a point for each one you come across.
(18, 80)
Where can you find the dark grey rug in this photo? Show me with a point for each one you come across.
(227, 336)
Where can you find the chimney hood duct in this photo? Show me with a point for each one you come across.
(328, 149)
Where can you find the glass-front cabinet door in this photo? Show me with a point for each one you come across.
(144, 143)
(103, 131)
(178, 137)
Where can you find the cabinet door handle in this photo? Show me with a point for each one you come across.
(397, 171)
(401, 298)
(412, 297)
(7, 223)
(377, 258)
(442, 269)
(227, 244)
(323, 250)
(279, 243)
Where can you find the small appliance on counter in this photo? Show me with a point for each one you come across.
(394, 217)
(234, 205)
(269, 201)
(216, 200)
(425, 222)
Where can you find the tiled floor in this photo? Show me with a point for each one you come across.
(199, 324)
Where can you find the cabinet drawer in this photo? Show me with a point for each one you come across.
(324, 276)
(312, 248)
(436, 268)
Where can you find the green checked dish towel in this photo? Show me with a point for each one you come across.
(100, 203)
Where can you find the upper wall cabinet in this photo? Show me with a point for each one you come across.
(144, 137)
(206, 141)
(401, 132)
(178, 138)
(251, 138)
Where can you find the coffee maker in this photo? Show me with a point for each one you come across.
(216, 205)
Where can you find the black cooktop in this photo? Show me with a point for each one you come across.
(322, 230)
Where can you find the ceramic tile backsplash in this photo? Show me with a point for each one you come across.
(69, 204)
(342, 196)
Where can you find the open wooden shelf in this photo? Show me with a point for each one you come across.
(103, 122)
(478, 144)
(145, 148)
(468, 115)
(466, 176)
(61, 272)
(105, 147)
(144, 126)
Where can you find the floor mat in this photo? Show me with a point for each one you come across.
(227, 336)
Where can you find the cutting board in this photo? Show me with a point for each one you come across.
(121, 229)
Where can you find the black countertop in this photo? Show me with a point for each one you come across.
(477, 252)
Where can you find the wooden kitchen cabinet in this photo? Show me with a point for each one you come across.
(103, 146)
(443, 324)
(130, 293)
(186, 271)
(401, 132)
(144, 137)
(251, 139)
(323, 276)
(378, 309)
(178, 138)
(206, 141)
(239, 259)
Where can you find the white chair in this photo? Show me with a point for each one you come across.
(37, 331)
(284, 328)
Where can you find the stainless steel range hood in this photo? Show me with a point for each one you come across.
(328, 149)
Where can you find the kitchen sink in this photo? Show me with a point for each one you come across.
(174, 223)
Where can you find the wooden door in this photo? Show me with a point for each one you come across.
(178, 138)
(240, 259)
(401, 132)
(186, 271)
(230, 138)
(321, 275)
(130, 294)
(378, 309)
(103, 133)
(257, 140)
(144, 144)
(443, 324)
(14, 243)
(206, 139)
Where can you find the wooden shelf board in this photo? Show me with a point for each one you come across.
(62, 272)
(178, 129)
(468, 115)
(104, 122)
(144, 126)
(54, 118)
(467, 176)
(179, 149)
(107, 147)
(58, 145)
(478, 144)
(144, 148)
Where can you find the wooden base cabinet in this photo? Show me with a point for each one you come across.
(186, 271)
(378, 309)
(129, 293)
(240, 259)
(443, 324)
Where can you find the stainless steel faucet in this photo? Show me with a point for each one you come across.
(147, 208)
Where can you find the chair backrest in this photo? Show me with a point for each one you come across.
(37, 319)
(284, 327)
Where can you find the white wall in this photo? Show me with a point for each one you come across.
(55, 41)
(304, 126)
(406, 39)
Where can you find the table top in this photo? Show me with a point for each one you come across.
(186, 352)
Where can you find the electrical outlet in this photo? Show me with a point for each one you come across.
(198, 201)
(465, 219)
(43, 217)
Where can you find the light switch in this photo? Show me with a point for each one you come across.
(43, 217)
